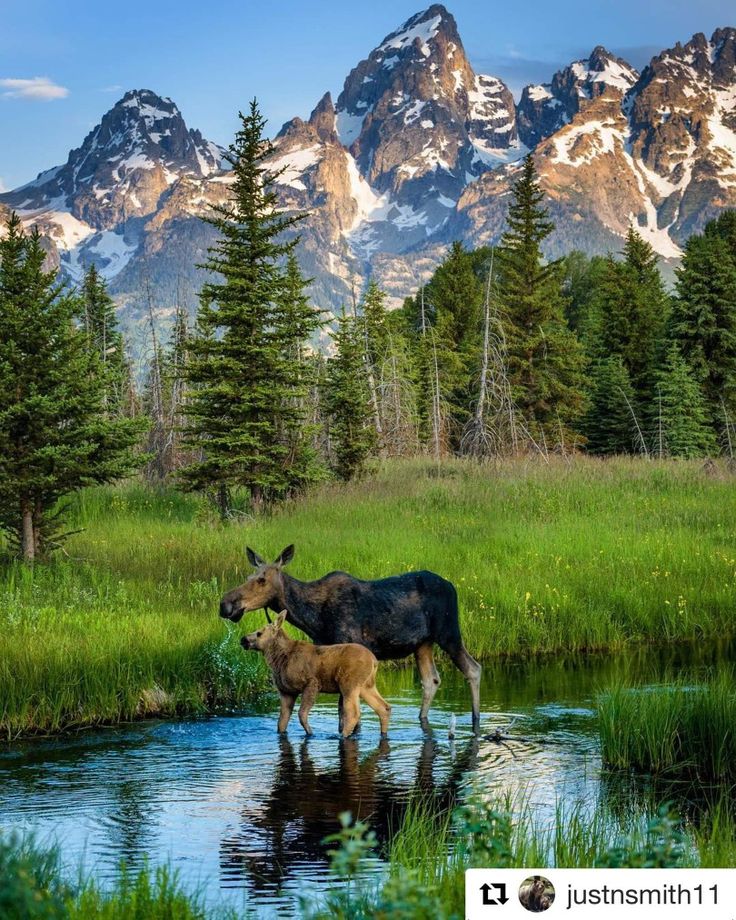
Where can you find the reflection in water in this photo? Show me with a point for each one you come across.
(242, 813)
(304, 802)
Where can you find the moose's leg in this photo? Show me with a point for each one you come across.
(287, 707)
(468, 666)
(429, 676)
(352, 712)
(377, 703)
(309, 697)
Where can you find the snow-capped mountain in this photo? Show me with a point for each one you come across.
(94, 207)
(418, 150)
(660, 155)
(546, 107)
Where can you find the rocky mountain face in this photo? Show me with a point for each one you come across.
(416, 151)
(660, 155)
(546, 107)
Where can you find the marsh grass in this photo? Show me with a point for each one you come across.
(430, 852)
(676, 730)
(33, 887)
(547, 558)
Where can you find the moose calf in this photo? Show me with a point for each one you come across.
(302, 668)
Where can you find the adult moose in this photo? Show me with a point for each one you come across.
(394, 617)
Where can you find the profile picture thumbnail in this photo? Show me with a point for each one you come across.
(536, 893)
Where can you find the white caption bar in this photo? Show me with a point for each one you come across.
(654, 894)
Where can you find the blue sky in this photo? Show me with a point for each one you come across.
(63, 64)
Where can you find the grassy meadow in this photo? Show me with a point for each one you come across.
(547, 558)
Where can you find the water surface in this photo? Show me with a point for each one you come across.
(243, 814)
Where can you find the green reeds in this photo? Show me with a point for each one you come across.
(677, 730)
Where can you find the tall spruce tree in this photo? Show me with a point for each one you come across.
(633, 307)
(297, 322)
(56, 435)
(545, 359)
(237, 369)
(703, 321)
(347, 399)
(684, 428)
(97, 315)
(610, 426)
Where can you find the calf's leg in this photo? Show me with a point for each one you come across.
(429, 676)
(351, 708)
(309, 697)
(287, 707)
(377, 703)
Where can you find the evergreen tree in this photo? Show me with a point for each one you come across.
(347, 401)
(684, 428)
(297, 322)
(609, 424)
(98, 317)
(703, 322)
(545, 359)
(633, 308)
(237, 370)
(55, 433)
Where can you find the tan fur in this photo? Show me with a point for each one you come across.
(300, 668)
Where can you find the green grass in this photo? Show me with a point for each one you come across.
(546, 558)
(676, 730)
(430, 853)
(32, 887)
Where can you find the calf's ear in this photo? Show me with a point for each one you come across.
(286, 556)
(280, 619)
(253, 557)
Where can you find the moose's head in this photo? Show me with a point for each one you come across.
(264, 588)
(260, 640)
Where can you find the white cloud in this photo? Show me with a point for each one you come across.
(38, 88)
(115, 88)
(3, 186)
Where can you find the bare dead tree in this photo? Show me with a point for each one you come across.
(397, 404)
(495, 429)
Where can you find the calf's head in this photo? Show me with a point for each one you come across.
(264, 588)
(259, 640)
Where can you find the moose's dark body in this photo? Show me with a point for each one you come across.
(393, 617)
(390, 616)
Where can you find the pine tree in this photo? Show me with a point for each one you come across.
(610, 425)
(545, 359)
(297, 322)
(101, 326)
(633, 308)
(236, 370)
(55, 433)
(347, 401)
(703, 321)
(684, 427)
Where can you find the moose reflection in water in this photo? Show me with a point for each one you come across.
(304, 805)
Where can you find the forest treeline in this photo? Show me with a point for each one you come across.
(500, 353)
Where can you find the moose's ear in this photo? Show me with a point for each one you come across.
(280, 619)
(253, 557)
(286, 556)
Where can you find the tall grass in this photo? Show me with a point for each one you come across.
(32, 887)
(677, 730)
(546, 558)
(430, 853)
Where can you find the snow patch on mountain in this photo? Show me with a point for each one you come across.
(417, 28)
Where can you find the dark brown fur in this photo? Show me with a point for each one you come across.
(300, 668)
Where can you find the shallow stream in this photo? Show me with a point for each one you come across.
(242, 814)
